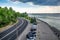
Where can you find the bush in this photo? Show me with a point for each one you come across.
(33, 20)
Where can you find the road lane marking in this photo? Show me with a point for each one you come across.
(12, 31)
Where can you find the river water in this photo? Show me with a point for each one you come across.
(51, 19)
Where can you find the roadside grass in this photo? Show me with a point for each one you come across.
(5, 27)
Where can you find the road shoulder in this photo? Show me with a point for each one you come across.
(24, 33)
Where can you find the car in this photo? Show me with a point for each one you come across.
(31, 36)
(33, 28)
(35, 23)
(33, 32)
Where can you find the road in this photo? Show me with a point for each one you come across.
(13, 32)
(25, 32)
(44, 32)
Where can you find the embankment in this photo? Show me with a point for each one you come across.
(55, 30)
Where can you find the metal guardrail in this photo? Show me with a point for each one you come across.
(16, 32)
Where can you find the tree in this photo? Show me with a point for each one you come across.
(7, 16)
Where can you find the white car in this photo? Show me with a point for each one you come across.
(33, 28)
(31, 38)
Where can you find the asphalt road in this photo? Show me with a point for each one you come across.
(15, 31)
(25, 32)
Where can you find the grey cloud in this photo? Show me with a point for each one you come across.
(41, 2)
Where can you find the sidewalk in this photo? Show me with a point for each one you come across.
(44, 32)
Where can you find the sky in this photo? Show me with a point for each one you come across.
(33, 6)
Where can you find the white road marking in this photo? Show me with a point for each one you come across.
(12, 31)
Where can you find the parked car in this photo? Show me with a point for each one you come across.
(33, 28)
(33, 32)
(31, 36)
(35, 23)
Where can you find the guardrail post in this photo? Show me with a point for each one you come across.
(17, 33)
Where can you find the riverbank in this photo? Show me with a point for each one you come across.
(8, 26)
(45, 32)
(55, 30)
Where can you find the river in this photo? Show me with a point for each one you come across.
(51, 19)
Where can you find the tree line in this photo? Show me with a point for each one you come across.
(8, 15)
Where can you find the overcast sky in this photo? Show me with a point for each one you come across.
(33, 6)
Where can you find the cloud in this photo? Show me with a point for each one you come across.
(42, 9)
(30, 3)
(14, 1)
(41, 2)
